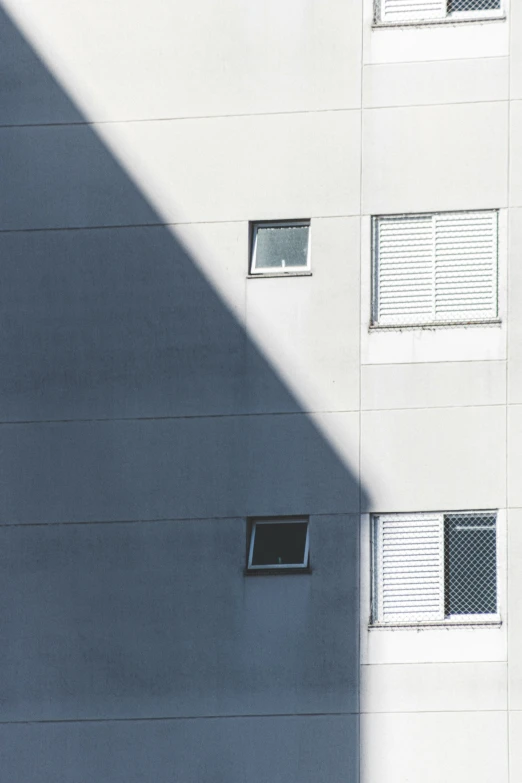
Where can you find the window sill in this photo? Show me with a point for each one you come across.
(411, 626)
(434, 325)
(446, 21)
(279, 274)
(277, 571)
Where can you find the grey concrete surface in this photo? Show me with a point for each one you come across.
(123, 374)
(172, 468)
(155, 619)
(304, 749)
(28, 92)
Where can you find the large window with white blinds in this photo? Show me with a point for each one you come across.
(401, 11)
(434, 567)
(435, 268)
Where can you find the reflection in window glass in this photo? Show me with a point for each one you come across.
(281, 247)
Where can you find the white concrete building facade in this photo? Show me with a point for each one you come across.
(170, 384)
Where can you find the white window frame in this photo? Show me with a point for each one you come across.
(377, 325)
(278, 566)
(445, 620)
(271, 271)
(448, 18)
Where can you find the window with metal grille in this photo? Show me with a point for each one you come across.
(435, 268)
(401, 11)
(434, 567)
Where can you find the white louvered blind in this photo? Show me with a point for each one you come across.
(435, 268)
(409, 568)
(411, 10)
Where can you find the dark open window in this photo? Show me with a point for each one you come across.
(278, 544)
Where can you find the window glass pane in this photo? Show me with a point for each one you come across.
(470, 564)
(279, 544)
(281, 247)
(472, 5)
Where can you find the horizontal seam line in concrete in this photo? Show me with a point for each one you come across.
(170, 223)
(438, 361)
(240, 115)
(228, 517)
(449, 60)
(435, 105)
(247, 415)
(180, 718)
(432, 663)
(435, 407)
(132, 121)
(501, 710)
(162, 224)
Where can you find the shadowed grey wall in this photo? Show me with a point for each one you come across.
(134, 444)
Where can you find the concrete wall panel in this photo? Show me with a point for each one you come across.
(514, 366)
(445, 81)
(236, 168)
(434, 746)
(435, 158)
(315, 348)
(439, 384)
(434, 687)
(515, 155)
(178, 468)
(515, 20)
(439, 459)
(123, 60)
(122, 323)
(157, 619)
(514, 456)
(514, 608)
(515, 749)
(282, 750)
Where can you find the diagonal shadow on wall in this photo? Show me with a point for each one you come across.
(134, 445)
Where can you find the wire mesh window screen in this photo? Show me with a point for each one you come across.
(434, 567)
(470, 558)
(435, 268)
(455, 6)
(397, 11)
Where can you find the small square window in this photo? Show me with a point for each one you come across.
(281, 248)
(278, 544)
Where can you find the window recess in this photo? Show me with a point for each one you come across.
(432, 269)
(433, 568)
(281, 544)
(418, 11)
(281, 248)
